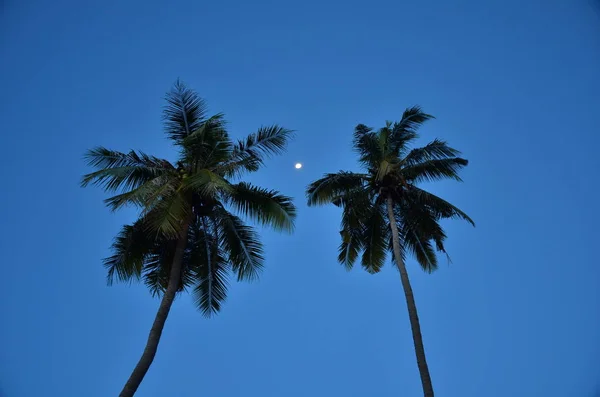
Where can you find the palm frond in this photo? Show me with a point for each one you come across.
(238, 164)
(157, 269)
(436, 205)
(211, 290)
(359, 132)
(350, 247)
(146, 195)
(167, 216)
(248, 154)
(242, 245)
(420, 227)
(127, 171)
(267, 207)
(434, 170)
(375, 237)
(209, 145)
(368, 146)
(422, 250)
(211, 269)
(130, 250)
(212, 128)
(267, 141)
(184, 113)
(434, 150)
(406, 129)
(206, 183)
(356, 206)
(332, 186)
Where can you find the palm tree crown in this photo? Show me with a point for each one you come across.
(392, 170)
(196, 199)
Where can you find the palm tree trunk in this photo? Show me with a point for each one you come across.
(412, 306)
(145, 361)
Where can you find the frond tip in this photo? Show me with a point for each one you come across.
(267, 141)
(184, 113)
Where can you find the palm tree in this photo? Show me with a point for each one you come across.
(186, 236)
(384, 210)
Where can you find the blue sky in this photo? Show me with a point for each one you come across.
(514, 85)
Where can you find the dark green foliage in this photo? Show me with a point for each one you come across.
(392, 169)
(195, 191)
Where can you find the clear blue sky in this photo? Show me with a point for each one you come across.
(514, 84)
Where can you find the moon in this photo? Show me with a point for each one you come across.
(298, 166)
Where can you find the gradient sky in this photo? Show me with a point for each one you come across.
(514, 84)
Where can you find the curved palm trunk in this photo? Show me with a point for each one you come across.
(412, 306)
(145, 361)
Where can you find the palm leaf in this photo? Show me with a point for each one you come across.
(332, 186)
(157, 269)
(406, 129)
(420, 227)
(213, 128)
(438, 206)
(211, 269)
(356, 205)
(375, 237)
(146, 195)
(248, 154)
(242, 244)
(267, 207)
(167, 217)
(238, 164)
(350, 247)
(131, 248)
(267, 141)
(422, 250)
(433, 170)
(368, 146)
(207, 183)
(434, 150)
(184, 113)
(211, 290)
(125, 171)
(209, 145)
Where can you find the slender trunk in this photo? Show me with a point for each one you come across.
(145, 361)
(412, 306)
